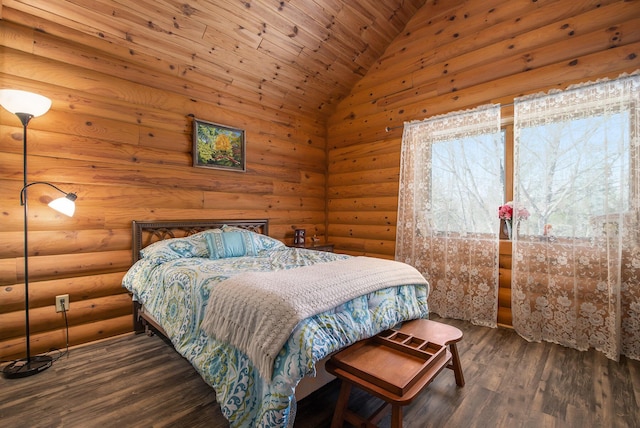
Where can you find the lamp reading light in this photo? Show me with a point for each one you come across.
(65, 204)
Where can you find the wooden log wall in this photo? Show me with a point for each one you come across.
(455, 55)
(119, 136)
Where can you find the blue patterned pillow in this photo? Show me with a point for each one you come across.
(230, 244)
(260, 242)
(199, 240)
(171, 249)
(197, 245)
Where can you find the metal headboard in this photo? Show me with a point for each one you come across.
(148, 232)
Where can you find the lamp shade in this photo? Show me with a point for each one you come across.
(64, 204)
(17, 101)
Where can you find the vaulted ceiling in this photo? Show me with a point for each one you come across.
(295, 55)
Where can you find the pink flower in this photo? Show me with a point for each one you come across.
(505, 211)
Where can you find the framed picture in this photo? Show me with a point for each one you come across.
(218, 146)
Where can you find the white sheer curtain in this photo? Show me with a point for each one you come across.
(576, 260)
(450, 188)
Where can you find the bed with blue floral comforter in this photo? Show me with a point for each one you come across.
(173, 280)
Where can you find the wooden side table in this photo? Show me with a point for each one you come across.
(318, 247)
(396, 377)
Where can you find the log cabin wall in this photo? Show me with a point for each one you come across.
(124, 146)
(455, 55)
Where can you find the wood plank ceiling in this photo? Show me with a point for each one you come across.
(299, 56)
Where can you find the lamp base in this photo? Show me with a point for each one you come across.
(27, 367)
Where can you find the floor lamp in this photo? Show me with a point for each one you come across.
(27, 105)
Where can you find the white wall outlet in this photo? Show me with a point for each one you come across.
(62, 303)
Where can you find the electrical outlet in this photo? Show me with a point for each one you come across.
(62, 303)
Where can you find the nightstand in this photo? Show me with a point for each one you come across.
(318, 247)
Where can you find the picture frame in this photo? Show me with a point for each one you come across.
(218, 146)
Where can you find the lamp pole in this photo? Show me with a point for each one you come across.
(25, 118)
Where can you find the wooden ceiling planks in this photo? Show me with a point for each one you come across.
(299, 56)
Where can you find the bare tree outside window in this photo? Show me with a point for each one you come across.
(467, 184)
(573, 171)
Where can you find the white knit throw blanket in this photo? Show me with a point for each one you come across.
(257, 311)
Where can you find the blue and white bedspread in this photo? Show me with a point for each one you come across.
(175, 293)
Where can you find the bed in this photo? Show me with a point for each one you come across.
(195, 282)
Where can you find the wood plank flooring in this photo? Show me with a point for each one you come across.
(140, 381)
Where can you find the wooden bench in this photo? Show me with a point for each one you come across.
(394, 366)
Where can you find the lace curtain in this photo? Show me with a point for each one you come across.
(576, 259)
(450, 187)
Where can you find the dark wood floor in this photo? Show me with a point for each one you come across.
(139, 381)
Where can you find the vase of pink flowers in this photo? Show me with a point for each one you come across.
(508, 215)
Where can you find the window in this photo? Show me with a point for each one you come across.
(450, 191)
(574, 172)
(467, 175)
